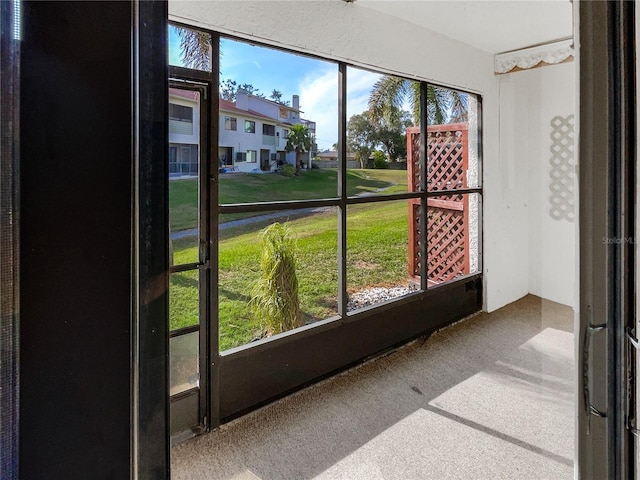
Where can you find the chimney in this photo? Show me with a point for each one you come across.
(295, 102)
(242, 99)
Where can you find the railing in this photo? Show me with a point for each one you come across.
(448, 214)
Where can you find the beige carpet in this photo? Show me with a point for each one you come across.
(489, 398)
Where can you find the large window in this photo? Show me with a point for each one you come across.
(301, 244)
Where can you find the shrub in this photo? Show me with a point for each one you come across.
(379, 160)
(288, 170)
(275, 294)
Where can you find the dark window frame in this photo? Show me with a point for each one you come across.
(266, 127)
(228, 399)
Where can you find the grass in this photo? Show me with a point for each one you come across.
(376, 255)
(250, 188)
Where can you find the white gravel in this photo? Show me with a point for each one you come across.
(376, 295)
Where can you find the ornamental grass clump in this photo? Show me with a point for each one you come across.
(275, 294)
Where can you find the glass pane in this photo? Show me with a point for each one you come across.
(380, 109)
(248, 271)
(183, 299)
(184, 370)
(184, 140)
(452, 139)
(379, 257)
(453, 237)
(189, 48)
(278, 114)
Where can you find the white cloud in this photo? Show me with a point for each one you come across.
(319, 99)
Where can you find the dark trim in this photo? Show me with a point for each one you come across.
(343, 298)
(607, 211)
(252, 379)
(151, 255)
(622, 138)
(213, 325)
(77, 278)
(185, 267)
(382, 198)
(184, 330)
(189, 76)
(185, 393)
(277, 205)
(9, 240)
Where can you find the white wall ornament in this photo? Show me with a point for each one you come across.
(550, 54)
(562, 168)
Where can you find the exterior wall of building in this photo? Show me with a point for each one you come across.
(243, 142)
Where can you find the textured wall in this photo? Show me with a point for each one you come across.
(540, 96)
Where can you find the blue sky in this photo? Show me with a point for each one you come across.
(315, 81)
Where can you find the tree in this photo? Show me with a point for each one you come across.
(391, 134)
(276, 96)
(361, 137)
(299, 141)
(443, 104)
(229, 89)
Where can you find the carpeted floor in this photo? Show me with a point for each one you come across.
(489, 398)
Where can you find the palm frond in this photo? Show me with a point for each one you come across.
(459, 107)
(387, 96)
(195, 48)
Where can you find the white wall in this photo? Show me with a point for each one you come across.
(367, 38)
(529, 100)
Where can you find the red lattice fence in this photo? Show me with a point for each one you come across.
(447, 215)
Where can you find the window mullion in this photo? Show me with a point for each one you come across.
(423, 187)
(342, 190)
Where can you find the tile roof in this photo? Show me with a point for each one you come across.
(228, 106)
(189, 94)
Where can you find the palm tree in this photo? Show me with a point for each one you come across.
(389, 93)
(195, 48)
(299, 141)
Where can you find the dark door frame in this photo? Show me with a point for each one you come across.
(607, 251)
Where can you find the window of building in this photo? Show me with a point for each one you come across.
(252, 156)
(268, 130)
(249, 126)
(230, 123)
(180, 119)
(180, 113)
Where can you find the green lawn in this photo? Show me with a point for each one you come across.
(249, 188)
(377, 255)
